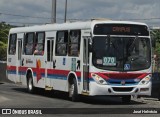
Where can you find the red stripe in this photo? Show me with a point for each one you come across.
(122, 75)
(62, 72)
(78, 73)
(11, 67)
(22, 68)
(42, 70)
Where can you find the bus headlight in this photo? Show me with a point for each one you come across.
(98, 79)
(145, 80)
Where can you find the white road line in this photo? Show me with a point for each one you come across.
(3, 99)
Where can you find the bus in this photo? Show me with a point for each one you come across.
(91, 58)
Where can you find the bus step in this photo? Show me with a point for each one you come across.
(19, 83)
(48, 88)
(85, 93)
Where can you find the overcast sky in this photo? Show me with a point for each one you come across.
(147, 11)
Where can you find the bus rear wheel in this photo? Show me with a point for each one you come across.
(73, 91)
(126, 99)
(30, 86)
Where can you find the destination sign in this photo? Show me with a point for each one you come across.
(121, 29)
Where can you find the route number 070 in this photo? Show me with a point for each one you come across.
(109, 61)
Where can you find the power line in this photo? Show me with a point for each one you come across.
(22, 15)
(16, 15)
(24, 23)
(154, 18)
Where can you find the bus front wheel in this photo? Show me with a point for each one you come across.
(30, 86)
(126, 99)
(73, 91)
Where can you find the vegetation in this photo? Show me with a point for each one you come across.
(4, 30)
(156, 35)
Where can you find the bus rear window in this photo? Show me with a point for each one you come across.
(121, 29)
(12, 44)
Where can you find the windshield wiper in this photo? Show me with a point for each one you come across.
(133, 43)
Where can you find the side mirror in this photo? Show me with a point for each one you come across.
(90, 47)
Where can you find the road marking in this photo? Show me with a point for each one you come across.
(3, 99)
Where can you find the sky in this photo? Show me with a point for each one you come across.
(39, 11)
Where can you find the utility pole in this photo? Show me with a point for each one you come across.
(65, 15)
(53, 15)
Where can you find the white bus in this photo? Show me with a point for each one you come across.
(98, 57)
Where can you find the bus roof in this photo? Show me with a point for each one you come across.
(69, 26)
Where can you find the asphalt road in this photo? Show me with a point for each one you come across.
(16, 96)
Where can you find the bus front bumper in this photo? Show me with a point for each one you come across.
(97, 89)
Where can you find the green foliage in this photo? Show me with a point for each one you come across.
(3, 51)
(156, 35)
(4, 30)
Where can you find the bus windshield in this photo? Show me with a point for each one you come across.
(121, 53)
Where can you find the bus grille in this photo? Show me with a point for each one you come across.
(112, 82)
(124, 89)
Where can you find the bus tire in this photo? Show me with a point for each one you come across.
(30, 86)
(159, 96)
(126, 99)
(73, 91)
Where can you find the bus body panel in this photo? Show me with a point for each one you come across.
(104, 89)
(55, 73)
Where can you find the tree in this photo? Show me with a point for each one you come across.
(156, 51)
(156, 36)
(4, 30)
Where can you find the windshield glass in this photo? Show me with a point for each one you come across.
(121, 53)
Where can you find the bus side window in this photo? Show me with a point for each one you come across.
(39, 45)
(12, 44)
(74, 42)
(61, 43)
(29, 43)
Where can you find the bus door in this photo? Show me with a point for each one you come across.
(49, 63)
(19, 57)
(86, 64)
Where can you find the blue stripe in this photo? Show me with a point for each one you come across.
(117, 82)
(21, 73)
(61, 77)
(11, 72)
(43, 74)
(52, 76)
(124, 85)
(113, 82)
(79, 79)
(91, 80)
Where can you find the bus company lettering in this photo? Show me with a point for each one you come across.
(29, 61)
(121, 29)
